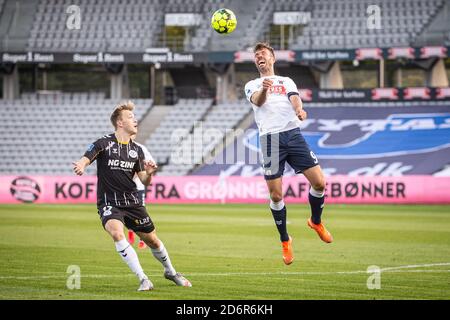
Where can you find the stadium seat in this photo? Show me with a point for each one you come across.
(39, 119)
(205, 136)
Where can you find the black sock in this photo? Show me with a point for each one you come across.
(280, 221)
(316, 208)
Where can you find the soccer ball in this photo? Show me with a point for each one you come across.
(223, 21)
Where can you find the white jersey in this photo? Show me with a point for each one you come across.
(147, 156)
(277, 113)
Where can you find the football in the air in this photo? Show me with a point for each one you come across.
(223, 21)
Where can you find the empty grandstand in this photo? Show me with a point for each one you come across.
(107, 26)
(45, 132)
(135, 25)
(343, 24)
(194, 148)
(182, 116)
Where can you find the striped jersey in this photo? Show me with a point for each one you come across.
(117, 163)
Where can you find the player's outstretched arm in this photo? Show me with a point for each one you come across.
(80, 165)
(149, 170)
(298, 106)
(260, 97)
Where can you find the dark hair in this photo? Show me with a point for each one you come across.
(264, 45)
(117, 113)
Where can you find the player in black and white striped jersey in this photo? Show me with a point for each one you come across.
(118, 159)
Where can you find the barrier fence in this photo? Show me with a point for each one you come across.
(235, 189)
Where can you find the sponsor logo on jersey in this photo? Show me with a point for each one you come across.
(142, 221)
(120, 163)
(277, 89)
(132, 154)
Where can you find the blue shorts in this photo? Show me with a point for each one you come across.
(290, 146)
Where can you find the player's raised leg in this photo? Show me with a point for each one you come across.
(159, 251)
(125, 249)
(316, 201)
(279, 214)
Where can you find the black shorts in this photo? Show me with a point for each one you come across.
(285, 146)
(136, 219)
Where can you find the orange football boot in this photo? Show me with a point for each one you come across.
(288, 252)
(323, 233)
(142, 245)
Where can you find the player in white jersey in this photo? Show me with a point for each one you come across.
(141, 190)
(278, 113)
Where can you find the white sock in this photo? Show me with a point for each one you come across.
(316, 193)
(130, 257)
(162, 256)
(276, 205)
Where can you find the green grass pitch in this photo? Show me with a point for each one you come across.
(230, 252)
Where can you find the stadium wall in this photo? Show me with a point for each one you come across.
(216, 189)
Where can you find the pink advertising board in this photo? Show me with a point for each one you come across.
(213, 189)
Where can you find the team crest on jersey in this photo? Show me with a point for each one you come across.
(132, 154)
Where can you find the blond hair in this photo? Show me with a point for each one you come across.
(117, 113)
(263, 45)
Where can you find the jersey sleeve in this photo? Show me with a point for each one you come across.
(147, 155)
(250, 89)
(139, 165)
(291, 88)
(94, 149)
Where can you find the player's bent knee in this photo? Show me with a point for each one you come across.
(276, 197)
(117, 235)
(115, 230)
(319, 186)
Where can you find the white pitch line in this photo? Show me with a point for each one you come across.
(398, 269)
(416, 266)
